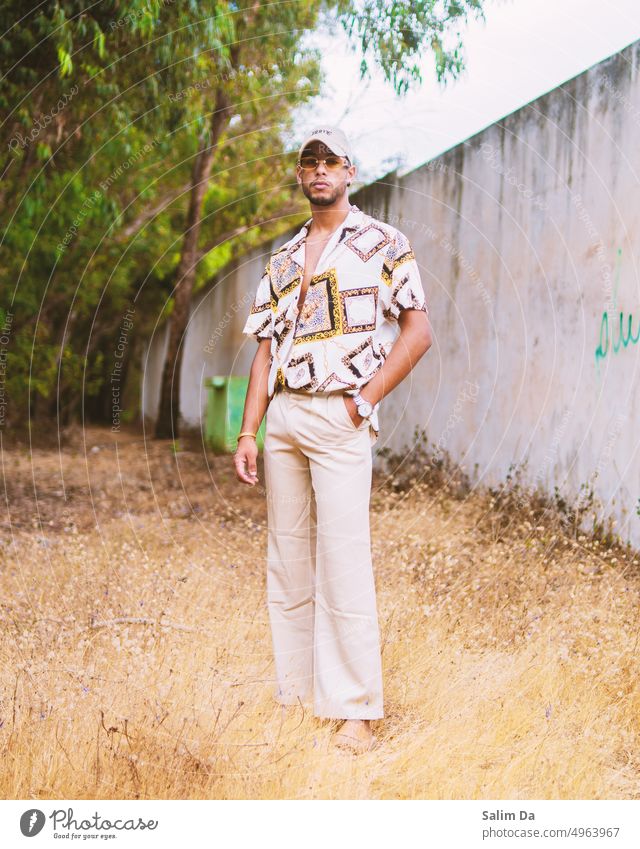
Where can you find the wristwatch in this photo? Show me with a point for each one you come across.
(365, 408)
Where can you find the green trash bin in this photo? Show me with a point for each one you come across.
(225, 405)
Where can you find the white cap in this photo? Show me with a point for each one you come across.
(334, 139)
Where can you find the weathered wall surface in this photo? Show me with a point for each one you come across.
(527, 235)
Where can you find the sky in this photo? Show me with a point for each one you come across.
(523, 49)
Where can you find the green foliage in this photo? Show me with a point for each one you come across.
(104, 107)
(395, 36)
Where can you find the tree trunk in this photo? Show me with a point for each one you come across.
(168, 413)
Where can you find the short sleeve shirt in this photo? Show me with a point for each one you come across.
(348, 322)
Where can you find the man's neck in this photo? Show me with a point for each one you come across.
(326, 220)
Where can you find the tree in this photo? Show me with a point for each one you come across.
(100, 130)
(235, 92)
(133, 137)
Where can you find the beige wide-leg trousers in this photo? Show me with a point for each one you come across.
(320, 585)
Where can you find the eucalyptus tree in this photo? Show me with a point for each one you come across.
(102, 120)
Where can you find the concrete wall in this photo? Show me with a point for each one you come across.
(527, 235)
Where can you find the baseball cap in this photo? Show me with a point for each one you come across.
(334, 139)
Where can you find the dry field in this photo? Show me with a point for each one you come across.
(136, 656)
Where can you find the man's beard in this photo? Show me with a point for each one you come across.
(323, 200)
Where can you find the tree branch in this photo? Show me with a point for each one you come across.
(151, 212)
(238, 231)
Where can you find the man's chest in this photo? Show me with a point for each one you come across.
(319, 292)
(294, 278)
(313, 252)
(339, 300)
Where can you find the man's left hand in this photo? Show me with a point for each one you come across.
(352, 409)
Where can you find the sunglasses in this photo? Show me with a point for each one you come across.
(333, 163)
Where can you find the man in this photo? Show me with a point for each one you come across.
(326, 316)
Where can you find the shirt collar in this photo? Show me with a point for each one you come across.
(295, 247)
(353, 221)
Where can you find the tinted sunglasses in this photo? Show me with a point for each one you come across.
(333, 163)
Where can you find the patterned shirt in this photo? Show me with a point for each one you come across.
(348, 322)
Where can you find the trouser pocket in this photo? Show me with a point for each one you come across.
(343, 414)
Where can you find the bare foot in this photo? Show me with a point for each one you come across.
(354, 734)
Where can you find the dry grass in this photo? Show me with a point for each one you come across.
(136, 653)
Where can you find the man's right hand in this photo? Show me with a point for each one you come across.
(245, 460)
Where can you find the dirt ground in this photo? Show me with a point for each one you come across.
(136, 653)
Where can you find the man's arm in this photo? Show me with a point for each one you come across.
(257, 399)
(255, 406)
(412, 343)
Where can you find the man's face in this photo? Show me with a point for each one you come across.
(321, 186)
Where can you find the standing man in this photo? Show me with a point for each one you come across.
(340, 319)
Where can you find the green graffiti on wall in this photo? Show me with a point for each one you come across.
(624, 339)
(607, 342)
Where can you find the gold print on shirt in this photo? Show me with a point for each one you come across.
(397, 255)
(359, 308)
(285, 275)
(282, 328)
(363, 361)
(403, 297)
(301, 372)
(320, 316)
(368, 241)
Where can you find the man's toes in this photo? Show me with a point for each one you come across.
(356, 736)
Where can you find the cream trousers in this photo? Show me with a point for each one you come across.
(320, 585)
